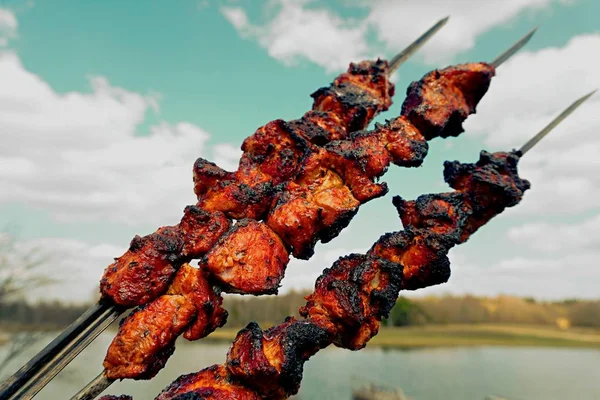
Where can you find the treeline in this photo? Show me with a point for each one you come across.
(40, 316)
(270, 310)
(434, 311)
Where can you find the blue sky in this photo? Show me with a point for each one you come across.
(104, 106)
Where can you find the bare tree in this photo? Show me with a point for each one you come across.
(19, 273)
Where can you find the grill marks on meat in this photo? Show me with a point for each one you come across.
(213, 383)
(356, 96)
(312, 192)
(272, 156)
(308, 178)
(147, 268)
(193, 283)
(490, 185)
(436, 223)
(146, 338)
(249, 259)
(272, 361)
(275, 152)
(439, 103)
(352, 296)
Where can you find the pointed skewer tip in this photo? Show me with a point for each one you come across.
(554, 123)
(514, 48)
(405, 54)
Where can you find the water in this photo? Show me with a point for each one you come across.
(455, 373)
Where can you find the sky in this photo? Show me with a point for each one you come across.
(105, 106)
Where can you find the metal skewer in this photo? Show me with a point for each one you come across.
(534, 140)
(97, 312)
(65, 355)
(56, 355)
(405, 54)
(514, 48)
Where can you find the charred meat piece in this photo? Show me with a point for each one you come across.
(439, 103)
(317, 205)
(406, 145)
(193, 284)
(250, 259)
(200, 231)
(422, 257)
(442, 216)
(146, 338)
(145, 270)
(490, 185)
(358, 95)
(111, 397)
(212, 383)
(271, 361)
(352, 297)
(319, 127)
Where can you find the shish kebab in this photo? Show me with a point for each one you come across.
(205, 327)
(352, 296)
(338, 110)
(146, 338)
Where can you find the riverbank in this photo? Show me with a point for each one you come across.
(468, 335)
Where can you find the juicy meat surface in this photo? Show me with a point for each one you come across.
(250, 259)
(317, 205)
(439, 103)
(271, 361)
(193, 284)
(146, 338)
(212, 383)
(145, 271)
(352, 297)
(357, 95)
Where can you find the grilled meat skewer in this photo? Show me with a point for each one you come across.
(251, 258)
(352, 297)
(48, 362)
(367, 155)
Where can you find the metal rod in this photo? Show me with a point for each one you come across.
(534, 140)
(98, 385)
(53, 366)
(405, 54)
(27, 371)
(513, 49)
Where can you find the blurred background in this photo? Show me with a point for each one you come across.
(105, 106)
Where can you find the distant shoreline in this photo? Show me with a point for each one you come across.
(466, 336)
(431, 336)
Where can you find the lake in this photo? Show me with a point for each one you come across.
(446, 373)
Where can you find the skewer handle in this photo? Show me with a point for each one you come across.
(52, 366)
(25, 373)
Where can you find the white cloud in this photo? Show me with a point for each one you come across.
(529, 91)
(8, 26)
(78, 155)
(297, 30)
(558, 238)
(573, 275)
(74, 267)
(398, 23)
